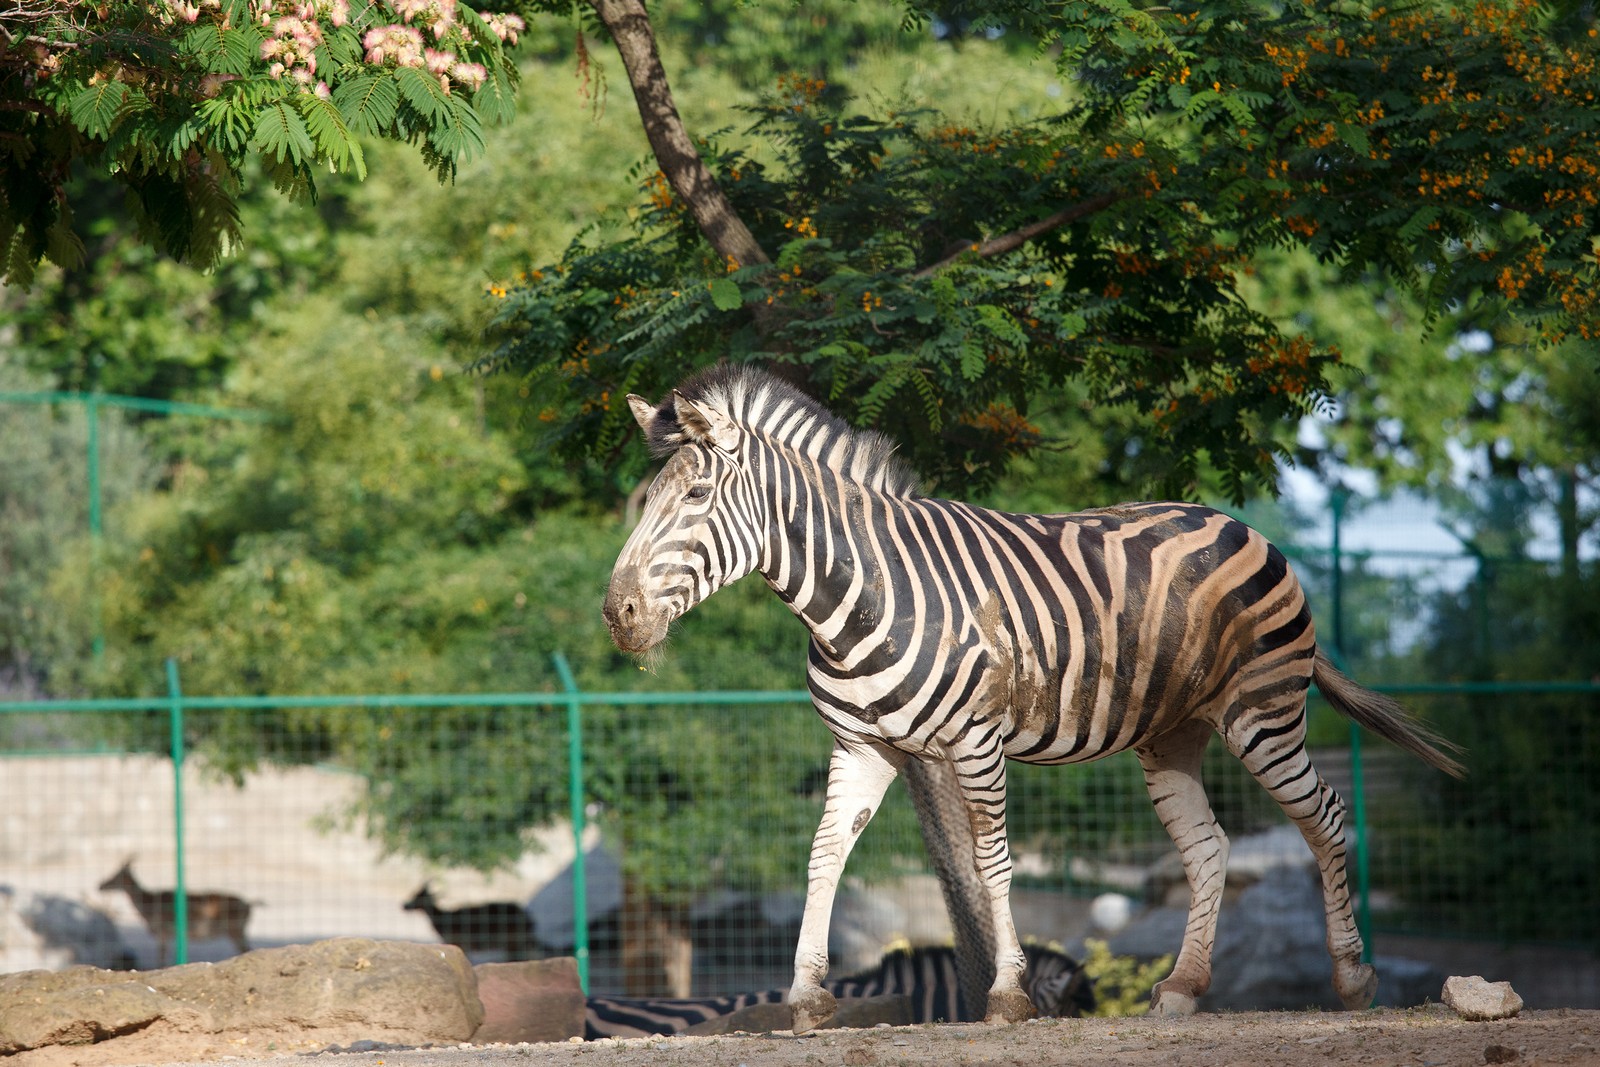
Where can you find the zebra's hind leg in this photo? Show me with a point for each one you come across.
(980, 769)
(858, 776)
(1271, 744)
(1172, 774)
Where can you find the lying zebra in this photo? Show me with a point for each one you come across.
(926, 975)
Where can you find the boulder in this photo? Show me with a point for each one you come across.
(1477, 1000)
(529, 1000)
(1250, 858)
(1271, 952)
(299, 996)
(554, 920)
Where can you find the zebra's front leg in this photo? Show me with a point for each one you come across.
(858, 775)
(981, 771)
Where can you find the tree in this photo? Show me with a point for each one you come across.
(44, 507)
(939, 280)
(174, 99)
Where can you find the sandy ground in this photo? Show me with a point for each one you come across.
(1419, 1036)
(1427, 1037)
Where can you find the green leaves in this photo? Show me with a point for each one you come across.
(95, 109)
(424, 94)
(334, 141)
(454, 130)
(725, 294)
(230, 51)
(368, 103)
(145, 97)
(282, 134)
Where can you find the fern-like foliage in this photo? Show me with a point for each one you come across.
(281, 134)
(937, 281)
(332, 138)
(368, 103)
(174, 109)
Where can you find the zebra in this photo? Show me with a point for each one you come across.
(926, 975)
(943, 631)
(1052, 980)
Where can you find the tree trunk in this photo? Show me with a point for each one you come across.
(657, 952)
(674, 150)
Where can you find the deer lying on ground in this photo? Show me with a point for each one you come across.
(498, 927)
(210, 915)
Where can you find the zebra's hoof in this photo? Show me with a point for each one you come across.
(810, 1008)
(1009, 1006)
(1171, 1002)
(1357, 987)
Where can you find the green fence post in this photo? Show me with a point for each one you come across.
(91, 414)
(580, 886)
(180, 893)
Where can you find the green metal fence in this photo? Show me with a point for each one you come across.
(691, 848)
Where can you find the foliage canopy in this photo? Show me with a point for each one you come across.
(943, 281)
(174, 98)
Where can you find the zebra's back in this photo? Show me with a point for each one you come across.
(1092, 632)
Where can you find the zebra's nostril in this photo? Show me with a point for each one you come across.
(622, 612)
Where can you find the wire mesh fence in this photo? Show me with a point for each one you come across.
(695, 820)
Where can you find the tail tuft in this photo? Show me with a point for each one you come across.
(1386, 718)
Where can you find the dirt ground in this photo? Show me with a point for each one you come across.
(1432, 1036)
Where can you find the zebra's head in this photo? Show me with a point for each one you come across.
(701, 525)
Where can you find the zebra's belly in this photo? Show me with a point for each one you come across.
(1081, 721)
(1044, 712)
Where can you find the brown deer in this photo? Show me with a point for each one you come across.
(497, 927)
(210, 915)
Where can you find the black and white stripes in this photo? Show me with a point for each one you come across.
(945, 631)
(925, 975)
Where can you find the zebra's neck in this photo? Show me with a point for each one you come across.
(823, 556)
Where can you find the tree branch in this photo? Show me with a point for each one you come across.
(674, 150)
(998, 246)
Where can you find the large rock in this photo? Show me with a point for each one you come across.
(297, 997)
(530, 1000)
(1271, 952)
(1250, 858)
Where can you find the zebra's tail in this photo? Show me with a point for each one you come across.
(1386, 718)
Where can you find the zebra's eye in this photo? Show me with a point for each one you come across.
(697, 494)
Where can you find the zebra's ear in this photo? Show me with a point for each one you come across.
(705, 423)
(644, 413)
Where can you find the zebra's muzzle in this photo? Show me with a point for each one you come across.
(634, 626)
